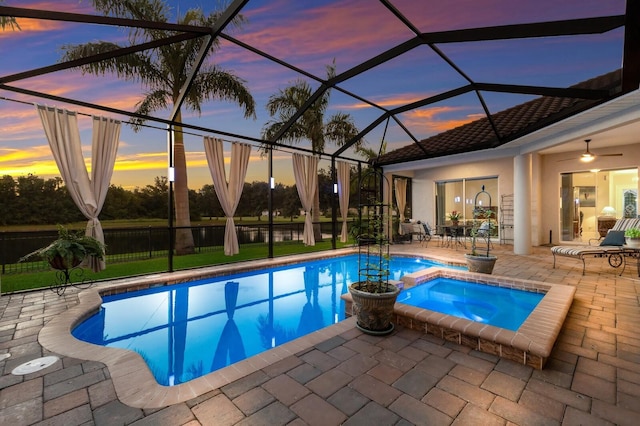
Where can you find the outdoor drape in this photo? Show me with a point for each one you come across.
(61, 129)
(228, 194)
(343, 196)
(401, 199)
(306, 175)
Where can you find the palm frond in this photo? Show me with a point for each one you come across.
(219, 84)
(153, 101)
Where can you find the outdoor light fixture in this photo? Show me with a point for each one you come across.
(587, 157)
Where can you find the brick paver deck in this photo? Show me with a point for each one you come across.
(592, 377)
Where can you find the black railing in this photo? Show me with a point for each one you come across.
(131, 244)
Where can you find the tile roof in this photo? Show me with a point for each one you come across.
(511, 124)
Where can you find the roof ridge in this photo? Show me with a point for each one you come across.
(512, 122)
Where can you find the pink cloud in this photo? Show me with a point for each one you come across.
(320, 33)
(428, 121)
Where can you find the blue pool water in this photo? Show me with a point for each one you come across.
(498, 306)
(188, 330)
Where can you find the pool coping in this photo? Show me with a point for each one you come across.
(530, 345)
(133, 381)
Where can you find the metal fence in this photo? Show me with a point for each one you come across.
(130, 244)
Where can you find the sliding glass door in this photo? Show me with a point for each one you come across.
(459, 196)
(592, 201)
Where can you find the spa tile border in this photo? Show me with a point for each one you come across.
(132, 379)
(530, 345)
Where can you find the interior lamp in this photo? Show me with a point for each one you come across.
(608, 211)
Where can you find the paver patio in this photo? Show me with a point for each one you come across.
(592, 377)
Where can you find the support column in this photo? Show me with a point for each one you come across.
(522, 181)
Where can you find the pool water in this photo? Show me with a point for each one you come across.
(188, 330)
(498, 306)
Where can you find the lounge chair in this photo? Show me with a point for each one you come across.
(611, 247)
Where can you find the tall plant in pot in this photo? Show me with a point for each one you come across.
(373, 295)
(481, 230)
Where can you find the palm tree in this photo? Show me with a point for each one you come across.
(8, 21)
(311, 126)
(164, 71)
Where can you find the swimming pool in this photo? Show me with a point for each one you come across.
(187, 330)
(498, 306)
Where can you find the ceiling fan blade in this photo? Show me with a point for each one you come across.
(609, 155)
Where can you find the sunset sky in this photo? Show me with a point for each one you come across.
(309, 35)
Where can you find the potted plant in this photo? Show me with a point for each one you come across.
(455, 217)
(373, 296)
(632, 237)
(69, 250)
(481, 228)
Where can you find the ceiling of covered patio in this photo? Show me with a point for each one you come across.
(405, 70)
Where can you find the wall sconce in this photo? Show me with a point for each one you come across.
(456, 199)
(272, 183)
(335, 188)
(172, 174)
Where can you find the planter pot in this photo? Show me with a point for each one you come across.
(632, 242)
(374, 311)
(58, 262)
(482, 264)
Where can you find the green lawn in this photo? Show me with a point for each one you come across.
(26, 281)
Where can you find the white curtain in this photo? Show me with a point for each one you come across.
(228, 194)
(306, 175)
(401, 199)
(61, 129)
(343, 195)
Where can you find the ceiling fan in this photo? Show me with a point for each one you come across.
(588, 156)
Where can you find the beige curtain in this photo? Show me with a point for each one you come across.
(228, 194)
(61, 129)
(343, 195)
(401, 199)
(305, 171)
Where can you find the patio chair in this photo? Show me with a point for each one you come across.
(409, 230)
(427, 233)
(484, 231)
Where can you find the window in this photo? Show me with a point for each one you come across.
(459, 195)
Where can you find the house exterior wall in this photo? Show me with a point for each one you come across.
(423, 182)
(545, 184)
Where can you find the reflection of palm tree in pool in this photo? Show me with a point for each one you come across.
(311, 317)
(179, 331)
(230, 348)
(272, 335)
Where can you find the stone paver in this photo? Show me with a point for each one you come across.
(373, 414)
(315, 411)
(591, 378)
